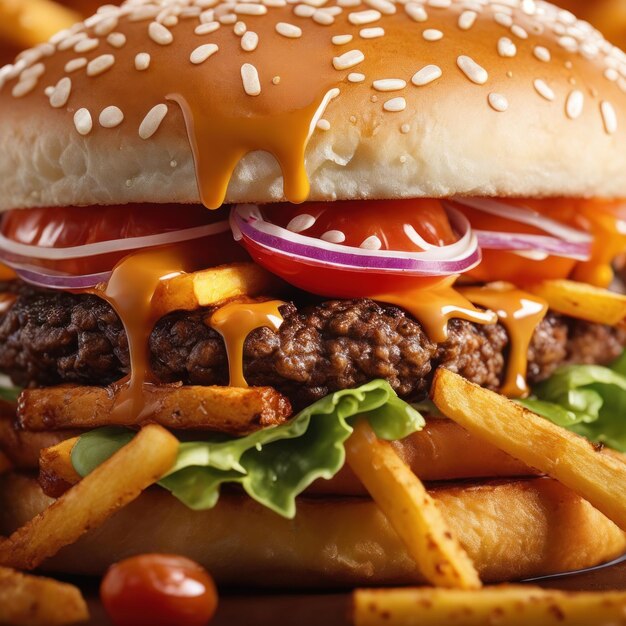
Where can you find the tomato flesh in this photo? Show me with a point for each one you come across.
(158, 590)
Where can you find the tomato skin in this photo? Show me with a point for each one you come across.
(158, 590)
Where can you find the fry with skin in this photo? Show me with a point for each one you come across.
(410, 510)
(212, 286)
(570, 459)
(232, 410)
(56, 472)
(507, 605)
(35, 601)
(87, 505)
(582, 301)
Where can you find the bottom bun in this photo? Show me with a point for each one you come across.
(512, 530)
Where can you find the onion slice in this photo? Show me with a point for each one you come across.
(522, 242)
(248, 222)
(67, 282)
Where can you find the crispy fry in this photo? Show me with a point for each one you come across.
(29, 22)
(87, 505)
(410, 510)
(510, 604)
(56, 472)
(572, 460)
(230, 410)
(35, 601)
(582, 301)
(5, 463)
(190, 291)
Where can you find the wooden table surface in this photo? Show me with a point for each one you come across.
(325, 609)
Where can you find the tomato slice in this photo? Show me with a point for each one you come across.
(158, 590)
(73, 227)
(408, 226)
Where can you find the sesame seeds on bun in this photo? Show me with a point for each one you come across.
(162, 101)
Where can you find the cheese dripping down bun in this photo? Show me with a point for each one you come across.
(194, 100)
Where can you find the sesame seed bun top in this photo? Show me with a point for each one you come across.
(372, 99)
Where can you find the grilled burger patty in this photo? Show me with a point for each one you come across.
(47, 338)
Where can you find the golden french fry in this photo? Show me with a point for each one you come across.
(87, 505)
(509, 605)
(191, 291)
(232, 410)
(29, 22)
(582, 301)
(36, 601)
(56, 472)
(410, 510)
(570, 459)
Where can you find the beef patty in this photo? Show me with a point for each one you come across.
(48, 338)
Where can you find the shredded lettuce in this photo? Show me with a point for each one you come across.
(587, 399)
(273, 465)
(10, 394)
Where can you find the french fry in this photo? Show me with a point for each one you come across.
(582, 301)
(410, 510)
(29, 22)
(231, 410)
(510, 605)
(87, 505)
(570, 459)
(36, 601)
(191, 291)
(56, 472)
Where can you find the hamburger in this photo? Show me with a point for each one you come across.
(254, 222)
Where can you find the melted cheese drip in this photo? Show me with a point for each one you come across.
(520, 313)
(235, 321)
(435, 308)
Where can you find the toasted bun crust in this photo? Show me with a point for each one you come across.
(512, 530)
(530, 103)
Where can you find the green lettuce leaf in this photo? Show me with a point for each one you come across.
(10, 394)
(587, 399)
(273, 465)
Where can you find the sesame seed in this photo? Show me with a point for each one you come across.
(248, 8)
(207, 16)
(160, 34)
(104, 27)
(250, 79)
(395, 105)
(374, 98)
(544, 90)
(34, 71)
(416, 12)
(240, 28)
(389, 84)
(323, 18)
(323, 124)
(301, 223)
(467, 19)
(506, 48)
(86, 45)
(503, 19)
(333, 236)
(61, 93)
(372, 33)
(83, 121)
(117, 40)
(405, 129)
(205, 29)
(111, 117)
(304, 10)
(472, 70)
(202, 53)
(288, 30)
(249, 41)
(24, 87)
(152, 121)
(100, 64)
(371, 243)
(47, 91)
(432, 34)
(498, 102)
(542, 53)
(364, 17)
(611, 74)
(276, 80)
(348, 60)
(143, 13)
(340, 40)
(568, 43)
(518, 31)
(356, 77)
(609, 117)
(575, 104)
(75, 64)
(426, 75)
(142, 61)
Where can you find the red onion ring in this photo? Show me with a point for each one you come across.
(522, 242)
